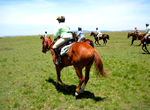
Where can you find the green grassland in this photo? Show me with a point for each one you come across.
(28, 77)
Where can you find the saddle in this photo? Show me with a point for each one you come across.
(64, 49)
(146, 41)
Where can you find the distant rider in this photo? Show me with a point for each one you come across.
(45, 35)
(64, 31)
(136, 31)
(147, 31)
(80, 33)
(99, 34)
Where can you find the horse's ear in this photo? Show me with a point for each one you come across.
(49, 37)
(42, 37)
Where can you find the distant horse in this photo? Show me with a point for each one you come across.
(104, 37)
(144, 42)
(90, 42)
(135, 37)
(80, 55)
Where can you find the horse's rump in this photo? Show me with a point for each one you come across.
(80, 50)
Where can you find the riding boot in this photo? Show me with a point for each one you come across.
(145, 41)
(58, 57)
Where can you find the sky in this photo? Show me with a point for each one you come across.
(34, 17)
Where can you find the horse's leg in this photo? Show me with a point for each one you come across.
(87, 70)
(81, 80)
(95, 42)
(146, 48)
(98, 42)
(58, 77)
(143, 48)
(132, 41)
(139, 44)
(103, 41)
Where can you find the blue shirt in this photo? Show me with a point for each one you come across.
(80, 33)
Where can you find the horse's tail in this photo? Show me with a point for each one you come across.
(99, 64)
(108, 37)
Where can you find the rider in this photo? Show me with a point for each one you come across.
(147, 31)
(99, 34)
(136, 31)
(64, 31)
(45, 35)
(80, 33)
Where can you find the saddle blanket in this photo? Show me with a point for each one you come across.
(65, 50)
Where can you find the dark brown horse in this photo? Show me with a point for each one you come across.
(135, 37)
(80, 55)
(104, 37)
(144, 42)
(90, 42)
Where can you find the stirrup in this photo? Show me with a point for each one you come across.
(56, 61)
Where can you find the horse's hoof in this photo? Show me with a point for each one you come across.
(81, 91)
(76, 94)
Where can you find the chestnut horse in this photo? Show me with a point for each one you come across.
(104, 37)
(135, 37)
(90, 42)
(144, 42)
(80, 55)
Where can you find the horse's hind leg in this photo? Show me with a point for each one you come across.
(98, 42)
(103, 41)
(144, 45)
(87, 70)
(146, 48)
(95, 42)
(81, 80)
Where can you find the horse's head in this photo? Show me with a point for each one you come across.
(128, 35)
(74, 34)
(131, 34)
(46, 43)
(92, 33)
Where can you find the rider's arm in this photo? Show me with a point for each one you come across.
(147, 30)
(57, 32)
(78, 33)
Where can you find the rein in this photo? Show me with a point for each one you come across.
(50, 45)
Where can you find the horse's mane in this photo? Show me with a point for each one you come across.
(42, 37)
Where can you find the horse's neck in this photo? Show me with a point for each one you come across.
(94, 34)
(133, 35)
(52, 51)
(51, 47)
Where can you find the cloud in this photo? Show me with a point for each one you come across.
(105, 14)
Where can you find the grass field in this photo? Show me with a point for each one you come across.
(28, 77)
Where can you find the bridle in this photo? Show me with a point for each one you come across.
(50, 45)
